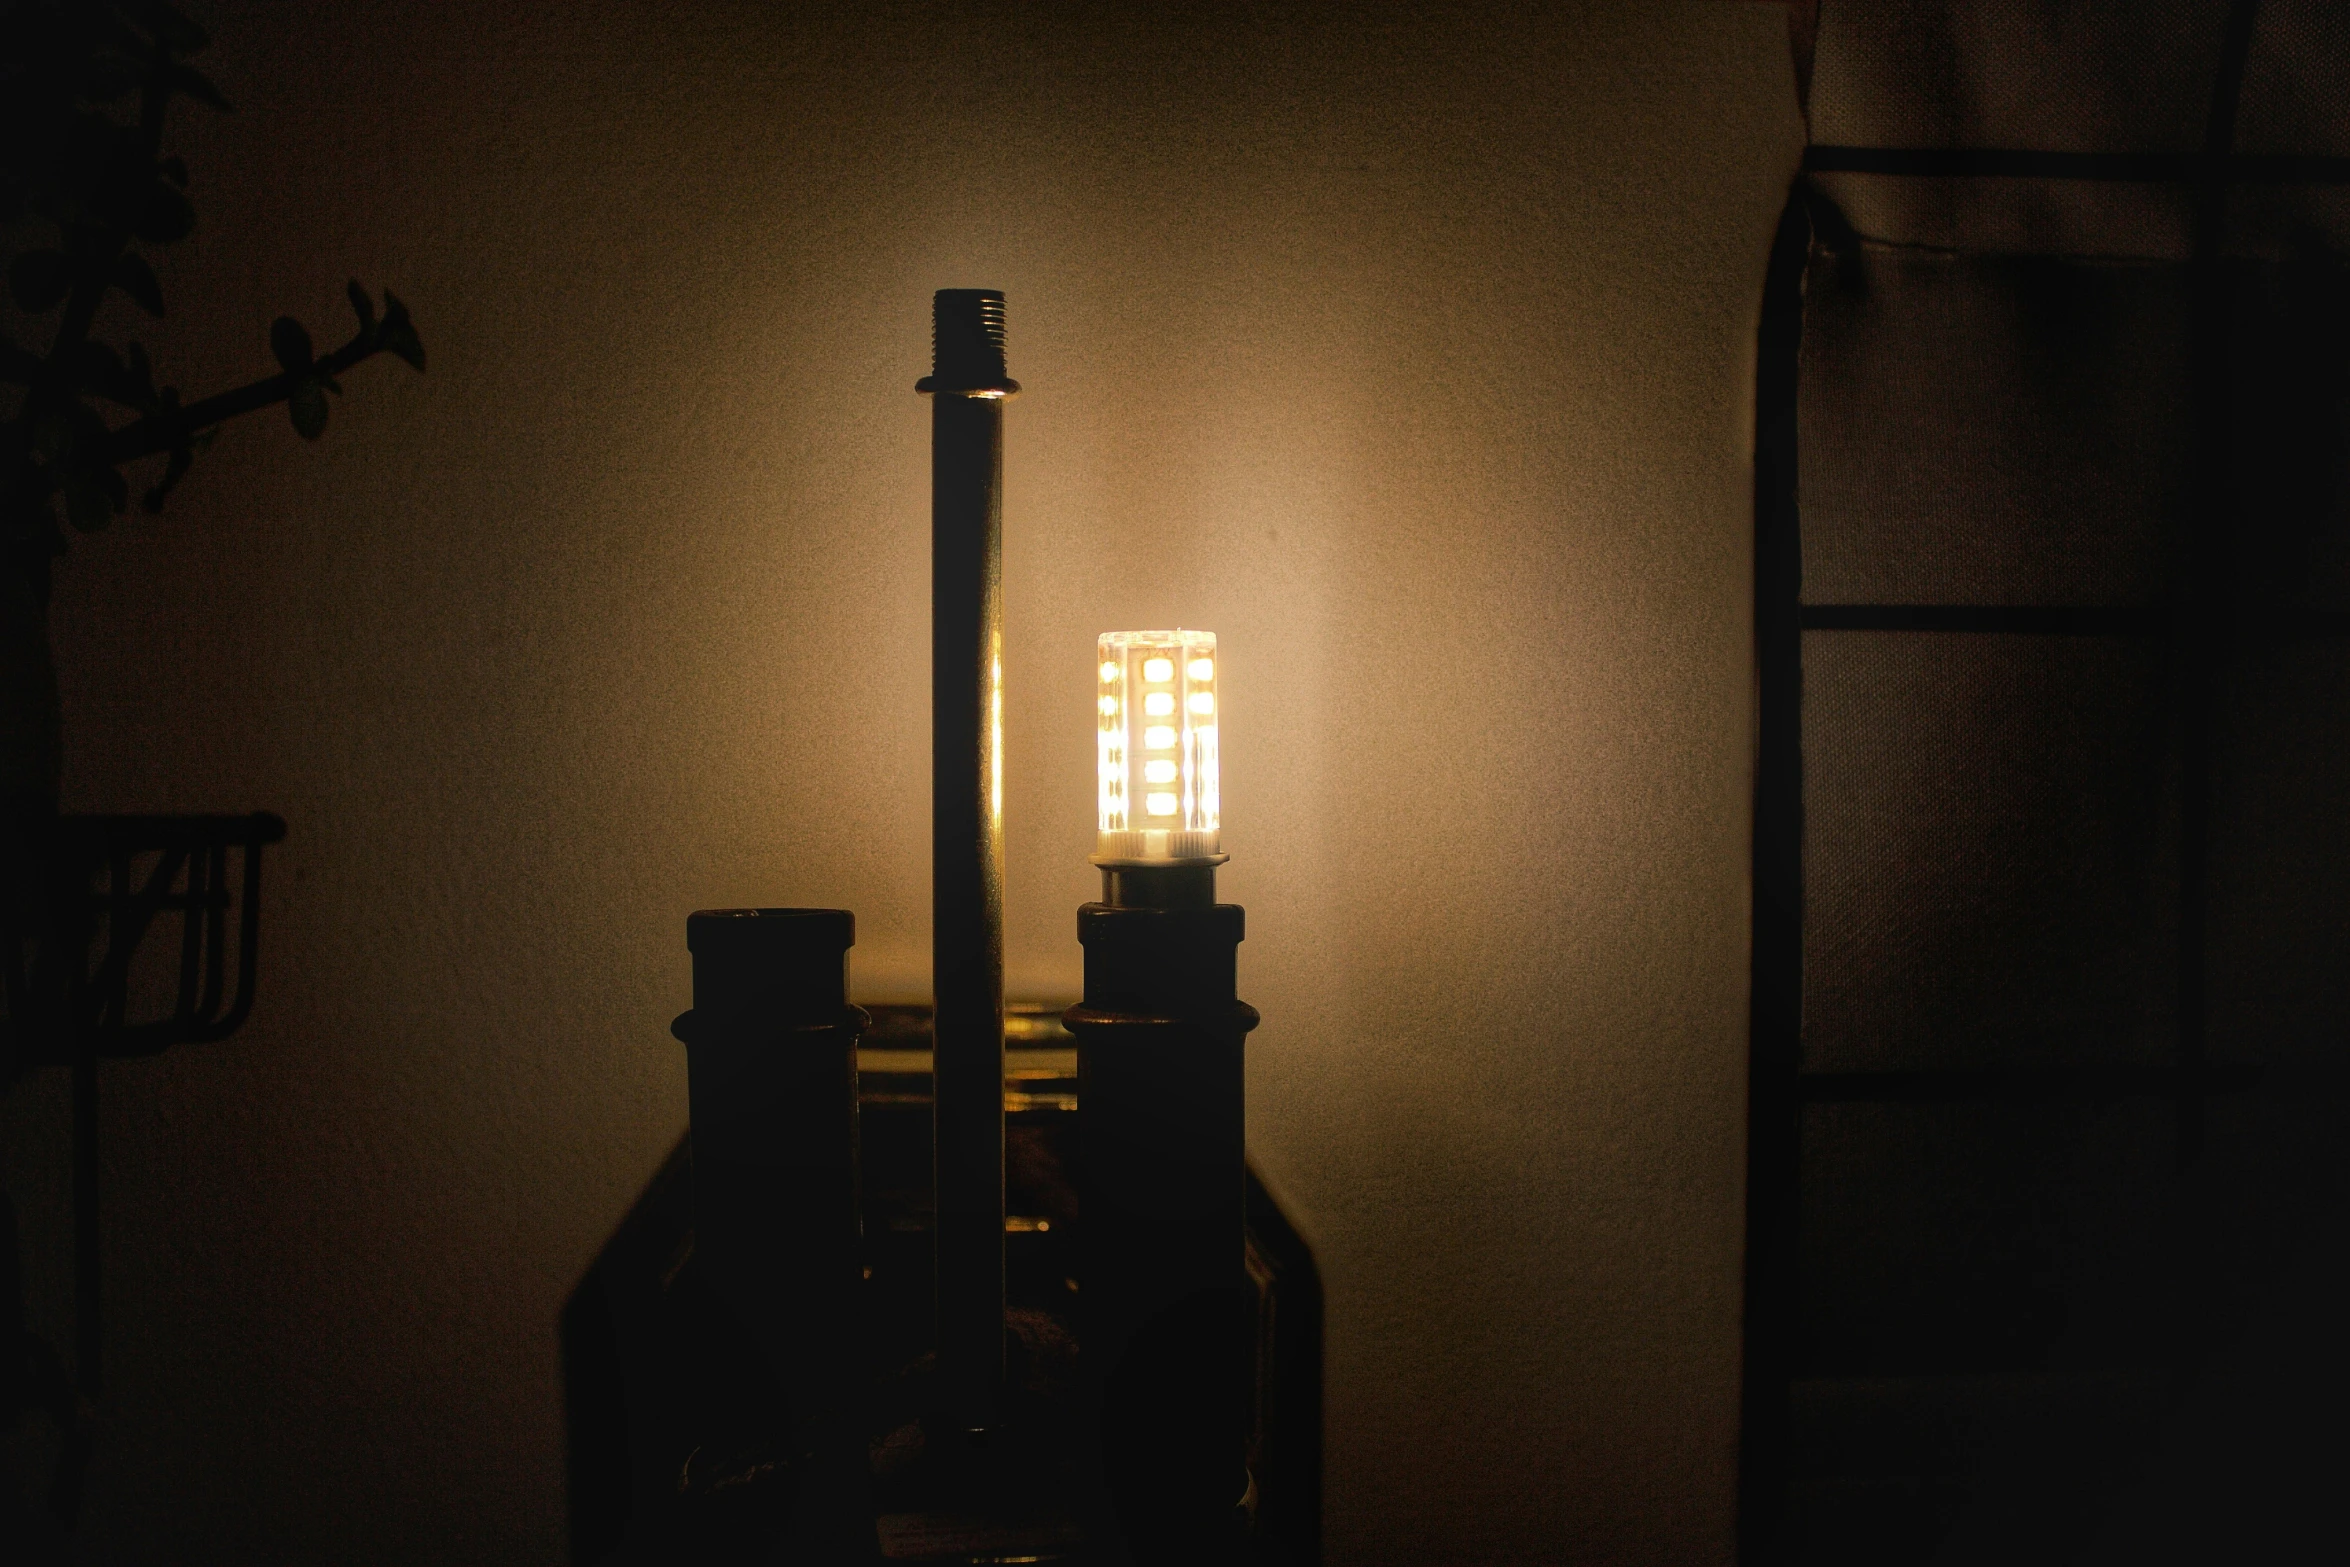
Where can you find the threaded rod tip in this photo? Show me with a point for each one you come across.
(967, 338)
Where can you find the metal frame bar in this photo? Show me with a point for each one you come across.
(2150, 168)
(2022, 1085)
(2011, 619)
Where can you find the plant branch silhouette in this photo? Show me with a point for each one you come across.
(104, 186)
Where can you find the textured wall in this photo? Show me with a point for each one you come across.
(1410, 354)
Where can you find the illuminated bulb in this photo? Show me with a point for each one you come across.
(1180, 818)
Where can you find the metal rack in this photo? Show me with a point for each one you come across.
(108, 883)
(2194, 629)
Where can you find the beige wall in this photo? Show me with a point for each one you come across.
(1410, 354)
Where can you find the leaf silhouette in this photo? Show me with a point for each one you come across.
(86, 505)
(192, 83)
(38, 279)
(398, 335)
(166, 24)
(134, 277)
(167, 216)
(307, 405)
(291, 344)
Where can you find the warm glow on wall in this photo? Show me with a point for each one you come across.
(1160, 785)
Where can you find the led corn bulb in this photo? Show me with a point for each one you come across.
(1159, 782)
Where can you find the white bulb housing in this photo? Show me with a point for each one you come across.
(1159, 785)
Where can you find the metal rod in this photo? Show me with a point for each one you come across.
(1774, 1126)
(192, 923)
(968, 385)
(2202, 598)
(88, 1273)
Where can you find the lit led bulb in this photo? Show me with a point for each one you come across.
(1158, 778)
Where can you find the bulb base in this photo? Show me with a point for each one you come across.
(1160, 886)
